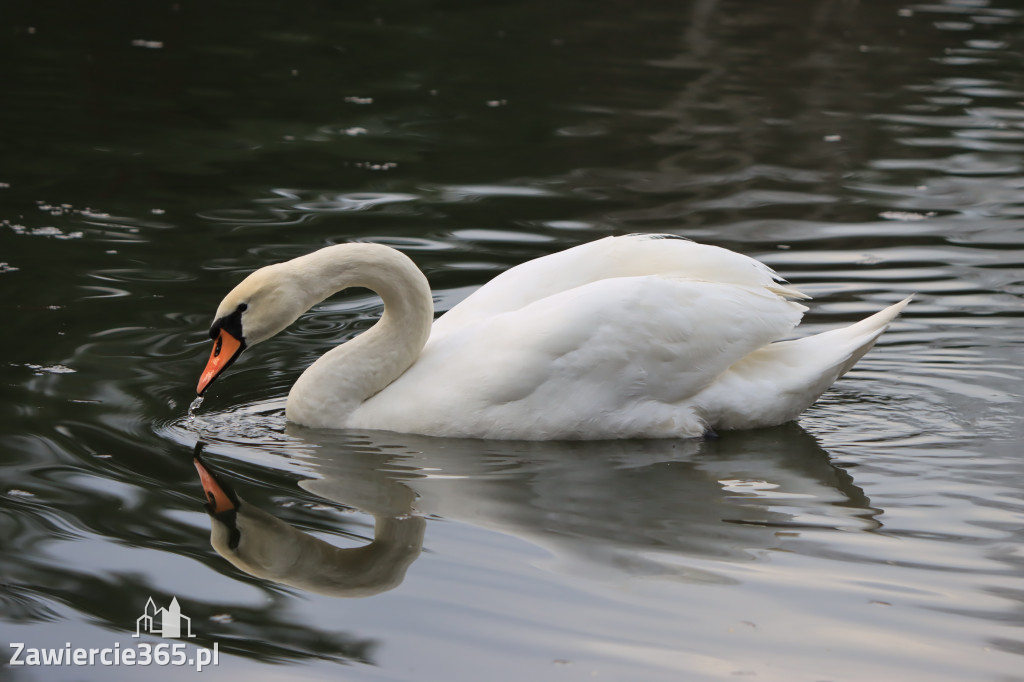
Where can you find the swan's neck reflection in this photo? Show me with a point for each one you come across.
(266, 547)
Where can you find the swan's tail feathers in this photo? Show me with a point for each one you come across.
(781, 380)
(853, 341)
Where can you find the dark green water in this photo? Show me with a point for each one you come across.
(152, 154)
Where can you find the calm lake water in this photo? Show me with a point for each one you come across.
(155, 153)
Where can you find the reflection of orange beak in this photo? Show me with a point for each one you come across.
(219, 496)
(225, 349)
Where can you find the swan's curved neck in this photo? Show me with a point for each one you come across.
(349, 374)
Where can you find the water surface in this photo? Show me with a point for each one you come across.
(155, 154)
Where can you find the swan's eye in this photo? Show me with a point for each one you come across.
(242, 307)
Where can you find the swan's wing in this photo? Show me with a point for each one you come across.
(626, 256)
(600, 360)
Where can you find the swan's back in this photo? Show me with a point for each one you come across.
(612, 257)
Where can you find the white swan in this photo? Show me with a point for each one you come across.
(640, 336)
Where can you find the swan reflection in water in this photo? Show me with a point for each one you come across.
(600, 509)
(266, 547)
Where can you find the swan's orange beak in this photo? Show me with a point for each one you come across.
(225, 349)
(219, 497)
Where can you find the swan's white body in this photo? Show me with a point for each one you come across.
(638, 336)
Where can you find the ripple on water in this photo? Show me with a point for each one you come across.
(252, 432)
(295, 206)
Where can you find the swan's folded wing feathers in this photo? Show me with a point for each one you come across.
(612, 257)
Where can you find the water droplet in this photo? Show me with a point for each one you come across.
(193, 407)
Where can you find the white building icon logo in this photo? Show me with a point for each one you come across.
(163, 622)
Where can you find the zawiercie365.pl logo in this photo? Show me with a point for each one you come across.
(168, 623)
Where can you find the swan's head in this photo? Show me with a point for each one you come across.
(263, 304)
